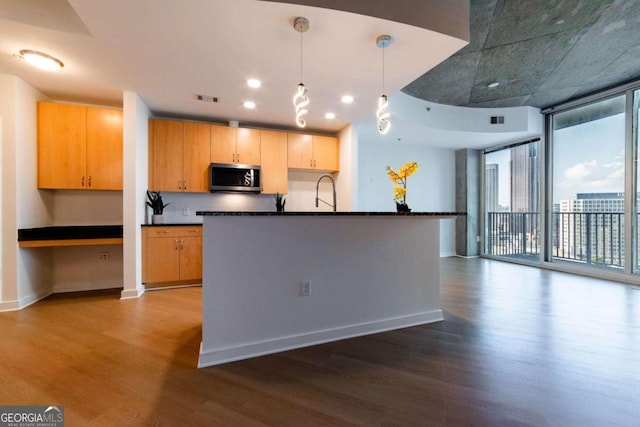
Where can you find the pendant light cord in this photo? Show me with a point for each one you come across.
(383, 48)
(300, 56)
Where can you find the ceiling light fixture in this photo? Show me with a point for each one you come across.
(41, 60)
(254, 83)
(382, 114)
(249, 105)
(330, 116)
(300, 99)
(492, 85)
(347, 99)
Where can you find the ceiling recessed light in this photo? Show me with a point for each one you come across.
(494, 84)
(249, 105)
(254, 83)
(330, 116)
(347, 99)
(41, 60)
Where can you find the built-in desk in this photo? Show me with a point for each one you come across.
(76, 235)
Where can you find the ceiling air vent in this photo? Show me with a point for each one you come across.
(206, 98)
(496, 120)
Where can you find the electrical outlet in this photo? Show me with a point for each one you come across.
(305, 289)
(186, 211)
(103, 256)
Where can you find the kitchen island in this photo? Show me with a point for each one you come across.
(279, 281)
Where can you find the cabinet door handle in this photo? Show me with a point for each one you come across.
(311, 162)
(193, 231)
(184, 184)
(82, 181)
(179, 185)
(181, 244)
(163, 232)
(176, 241)
(238, 155)
(89, 181)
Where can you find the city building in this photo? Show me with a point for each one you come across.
(590, 229)
(492, 190)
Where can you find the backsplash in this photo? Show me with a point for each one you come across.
(300, 197)
(183, 206)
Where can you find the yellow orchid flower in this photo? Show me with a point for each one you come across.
(393, 175)
(400, 179)
(399, 193)
(411, 168)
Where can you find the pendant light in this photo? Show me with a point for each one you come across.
(300, 99)
(382, 114)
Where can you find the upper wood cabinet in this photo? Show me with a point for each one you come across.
(223, 144)
(179, 156)
(313, 152)
(197, 151)
(79, 147)
(273, 154)
(235, 145)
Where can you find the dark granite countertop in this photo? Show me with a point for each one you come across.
(175, 224)
(389, 214)
(70, 232)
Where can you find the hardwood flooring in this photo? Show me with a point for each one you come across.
(519, 347)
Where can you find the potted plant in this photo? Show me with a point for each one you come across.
(154, 201)
(400, 180)
(280, 202)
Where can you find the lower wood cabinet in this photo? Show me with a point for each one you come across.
(171, 255)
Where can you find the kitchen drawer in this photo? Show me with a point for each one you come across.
(173, 231)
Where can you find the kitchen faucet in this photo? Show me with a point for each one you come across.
(333, 185)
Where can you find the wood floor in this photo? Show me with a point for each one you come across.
(518, 347)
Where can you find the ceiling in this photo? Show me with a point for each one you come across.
(541, 52)
(169, 51)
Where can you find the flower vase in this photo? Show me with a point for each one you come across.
(402, 207)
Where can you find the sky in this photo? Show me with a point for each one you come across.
(589, 158)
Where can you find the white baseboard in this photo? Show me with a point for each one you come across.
(261, 348)
(24, 302)
(447, 254)
(132, 293)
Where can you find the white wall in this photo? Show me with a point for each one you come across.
(136, 151)
(347, 182)
(26, 273)
(431, 188)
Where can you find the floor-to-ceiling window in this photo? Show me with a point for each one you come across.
(512, 201)
(571, 203)
(588, 184)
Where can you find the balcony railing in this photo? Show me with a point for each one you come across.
(594, 238)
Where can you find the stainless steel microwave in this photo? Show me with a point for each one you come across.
(234, 178)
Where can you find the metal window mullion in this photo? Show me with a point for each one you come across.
(629, 184)
(546, 193)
